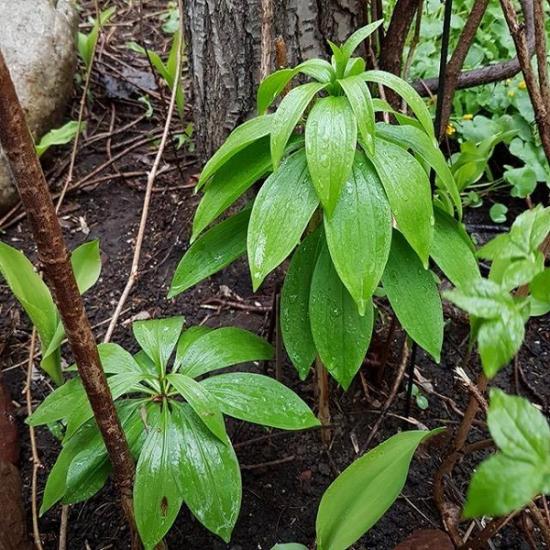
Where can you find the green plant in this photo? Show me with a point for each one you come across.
(520, 470)
(333, 193)
(59, 136)
(498, 314)
(87, 42)
(182, 449)
(364, 491)
(166, 70)
(35, 297)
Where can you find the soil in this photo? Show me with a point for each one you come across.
(280, 499)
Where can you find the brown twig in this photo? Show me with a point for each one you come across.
(541, 523)
(54, 257)
(323, 399)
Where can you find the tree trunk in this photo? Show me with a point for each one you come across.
(224, 42)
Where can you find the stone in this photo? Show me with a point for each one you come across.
(38, 41)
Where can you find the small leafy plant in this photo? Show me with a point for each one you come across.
(336, 182)
(87, 42)
(59, 136)
(174, 423)
(35, 297)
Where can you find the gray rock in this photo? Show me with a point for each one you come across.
(37, 39)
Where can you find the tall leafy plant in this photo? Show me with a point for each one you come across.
(174, 423)
(348, 197)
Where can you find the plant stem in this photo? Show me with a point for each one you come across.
(323, 400)
(54, 257)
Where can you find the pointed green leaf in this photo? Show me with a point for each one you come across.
(351, 44)
(408, 93)
(341, 335)
(287, 116)
(331, 139)
(233, 179)
(360, 100)
(188, 337)
(245, 134)
(414, 297)
(319, 69)
(280, 214)
(116, 360)
(295, 324)
(359, 232)
(216, 249)
(222, 348)
(409, 193)
(364, 491)
(271, 87)
(452, 250)
(355, 66)
(202, 402)
(260, 399)
(209, 476)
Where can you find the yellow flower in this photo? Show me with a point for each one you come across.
(450, 130)
(522, 85)
(511, 93)
(468, 116)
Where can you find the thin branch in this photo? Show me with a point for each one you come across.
(149, 189)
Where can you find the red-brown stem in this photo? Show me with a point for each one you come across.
(54, 258)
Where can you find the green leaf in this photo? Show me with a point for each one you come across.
(232, 180)
(412, 138)
(331, 139)
(408, 93)
(34, 297)
(498, 212)
(116, 360)
(359, 232)
(271, 87)
(188, 337)
(157, 491)
(216, 249)
(351, 44)
(413, 295)
(202, 402)
(319, 69)
(245, 134)
(158, 338)
(355, 66)
(289, 546)
(280, 214)
(294, 306)
(260, 399)
(540, 286)
(341, 335)
(409, 193)
(359, 98)
(209, 476)
(222, 348)
(364, 491)
(452, 250)
(58, 136)
(287, 116)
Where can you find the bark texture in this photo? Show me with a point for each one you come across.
(17, 143)
(224, 42)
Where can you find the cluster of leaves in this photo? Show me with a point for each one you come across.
(500, 111)
(332, 191)
(498, 313)
(35, 297)
(520, 470)
(173, 422)
(87, 42)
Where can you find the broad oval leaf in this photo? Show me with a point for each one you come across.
(245, 134)
(260, 399)
(408, 93)
(359, 232)
(331, 140)
(280, 214)
(157, 493)
(232, 180)
(222, 348)
(364, 491)
(341, 335)
(452, 250)
(287, 116)
(115, 359)
(86, 264)
(359, 98)
(217, 248)
(414, 297)
(209, 477)
(409, 193)
(294, 306)
(271, 87)
(202, 402)
(192, 334)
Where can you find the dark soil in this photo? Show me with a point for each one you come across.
(279, 500)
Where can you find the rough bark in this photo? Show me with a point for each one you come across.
(54, 258)
(224, 49)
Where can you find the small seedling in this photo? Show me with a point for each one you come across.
(87, 42)
(59, 136)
